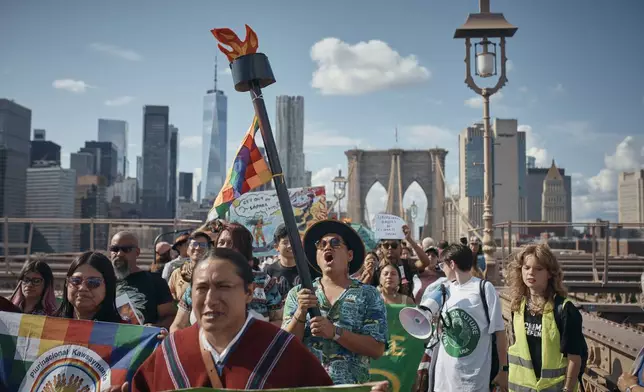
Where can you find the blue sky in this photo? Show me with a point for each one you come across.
(575, 81)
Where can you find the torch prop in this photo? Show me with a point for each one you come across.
(251, 72)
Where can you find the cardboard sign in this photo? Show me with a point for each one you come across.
(389, 227)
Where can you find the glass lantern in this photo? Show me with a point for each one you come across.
(485, 58)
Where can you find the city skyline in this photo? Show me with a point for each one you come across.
(585, 114)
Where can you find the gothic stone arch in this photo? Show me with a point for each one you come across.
(367, 167)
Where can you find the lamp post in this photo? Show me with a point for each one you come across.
(414, 210)
(485, 26)
(339, 190)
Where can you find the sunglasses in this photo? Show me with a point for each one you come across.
(390, 245)
(198, 245)
(91, 283)
(32, 281)
(334, 242)
(124, 249)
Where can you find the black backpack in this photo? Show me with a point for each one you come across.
(495, 354)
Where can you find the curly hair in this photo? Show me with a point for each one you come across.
(514, 276)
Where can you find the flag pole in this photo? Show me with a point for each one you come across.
(251, 72)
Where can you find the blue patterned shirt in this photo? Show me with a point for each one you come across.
(361, 310)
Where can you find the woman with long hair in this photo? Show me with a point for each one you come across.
(549, 343)
(35, 291)
(90, 290)
(390, 286)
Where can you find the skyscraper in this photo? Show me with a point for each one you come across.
(630, 197)
(139, 175)
(15, 127)
(174, 159)
(105, 159)
(290, 139)
(215, 134)
(43, 152)
(185, 186)
(115, 131)
(84, 163)
(508, 173)
(51, 193)
(534, 188)
(156, 162)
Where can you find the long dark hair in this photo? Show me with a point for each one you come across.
(107, 311)
(242, 238)
(47, 301)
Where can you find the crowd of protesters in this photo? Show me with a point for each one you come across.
(237, 309)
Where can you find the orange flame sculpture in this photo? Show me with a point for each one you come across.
(239, 48)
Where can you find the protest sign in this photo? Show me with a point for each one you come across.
(261, 214)
(400, 363)
(40, 353)
(388, 227)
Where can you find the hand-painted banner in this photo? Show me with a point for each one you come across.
(335, 388)
(400, 363)
(40, 353)
(261, 214)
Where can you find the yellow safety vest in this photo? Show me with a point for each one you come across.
(521, 377)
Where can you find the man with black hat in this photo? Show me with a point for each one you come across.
(180, 246)
(353, 327)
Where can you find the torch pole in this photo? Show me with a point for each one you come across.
(282, 191)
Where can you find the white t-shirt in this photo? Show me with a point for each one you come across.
(464, 357)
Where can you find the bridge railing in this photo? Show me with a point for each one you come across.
(23, 238)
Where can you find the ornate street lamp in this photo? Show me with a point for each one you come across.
(487, 27)
(414, 210)
(339, 190)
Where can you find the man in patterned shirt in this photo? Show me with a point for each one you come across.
(353, 326)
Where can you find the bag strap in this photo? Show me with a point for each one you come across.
(211, 368)
(484, 299)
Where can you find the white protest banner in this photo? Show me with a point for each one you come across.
(389, 227)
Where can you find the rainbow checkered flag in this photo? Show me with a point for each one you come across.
(249, 171)
(40, 353)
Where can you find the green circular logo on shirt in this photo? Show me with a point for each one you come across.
(461, 337)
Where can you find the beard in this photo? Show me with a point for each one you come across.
(121, 268)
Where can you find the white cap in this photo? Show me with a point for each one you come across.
(428, 242)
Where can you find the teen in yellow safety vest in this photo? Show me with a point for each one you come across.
(545, 357)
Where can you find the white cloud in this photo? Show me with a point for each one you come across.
(509, 65)
(119, 101)
(191, 142)
(113, 50)
(523, 89)
(535, 146)
(71, 85)
(324, 177)
(319, 140)
(476, 102)
(596, 196)
(227, 71)
(345, 69)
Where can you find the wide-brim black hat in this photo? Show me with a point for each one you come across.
(348, 235)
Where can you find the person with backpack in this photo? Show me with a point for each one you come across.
(549, 348)
(472, 355)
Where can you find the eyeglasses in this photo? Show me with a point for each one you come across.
(32, 281)
(390, 245)
(198, 245)
(334, 242)
(124, 249)
(91, 283)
